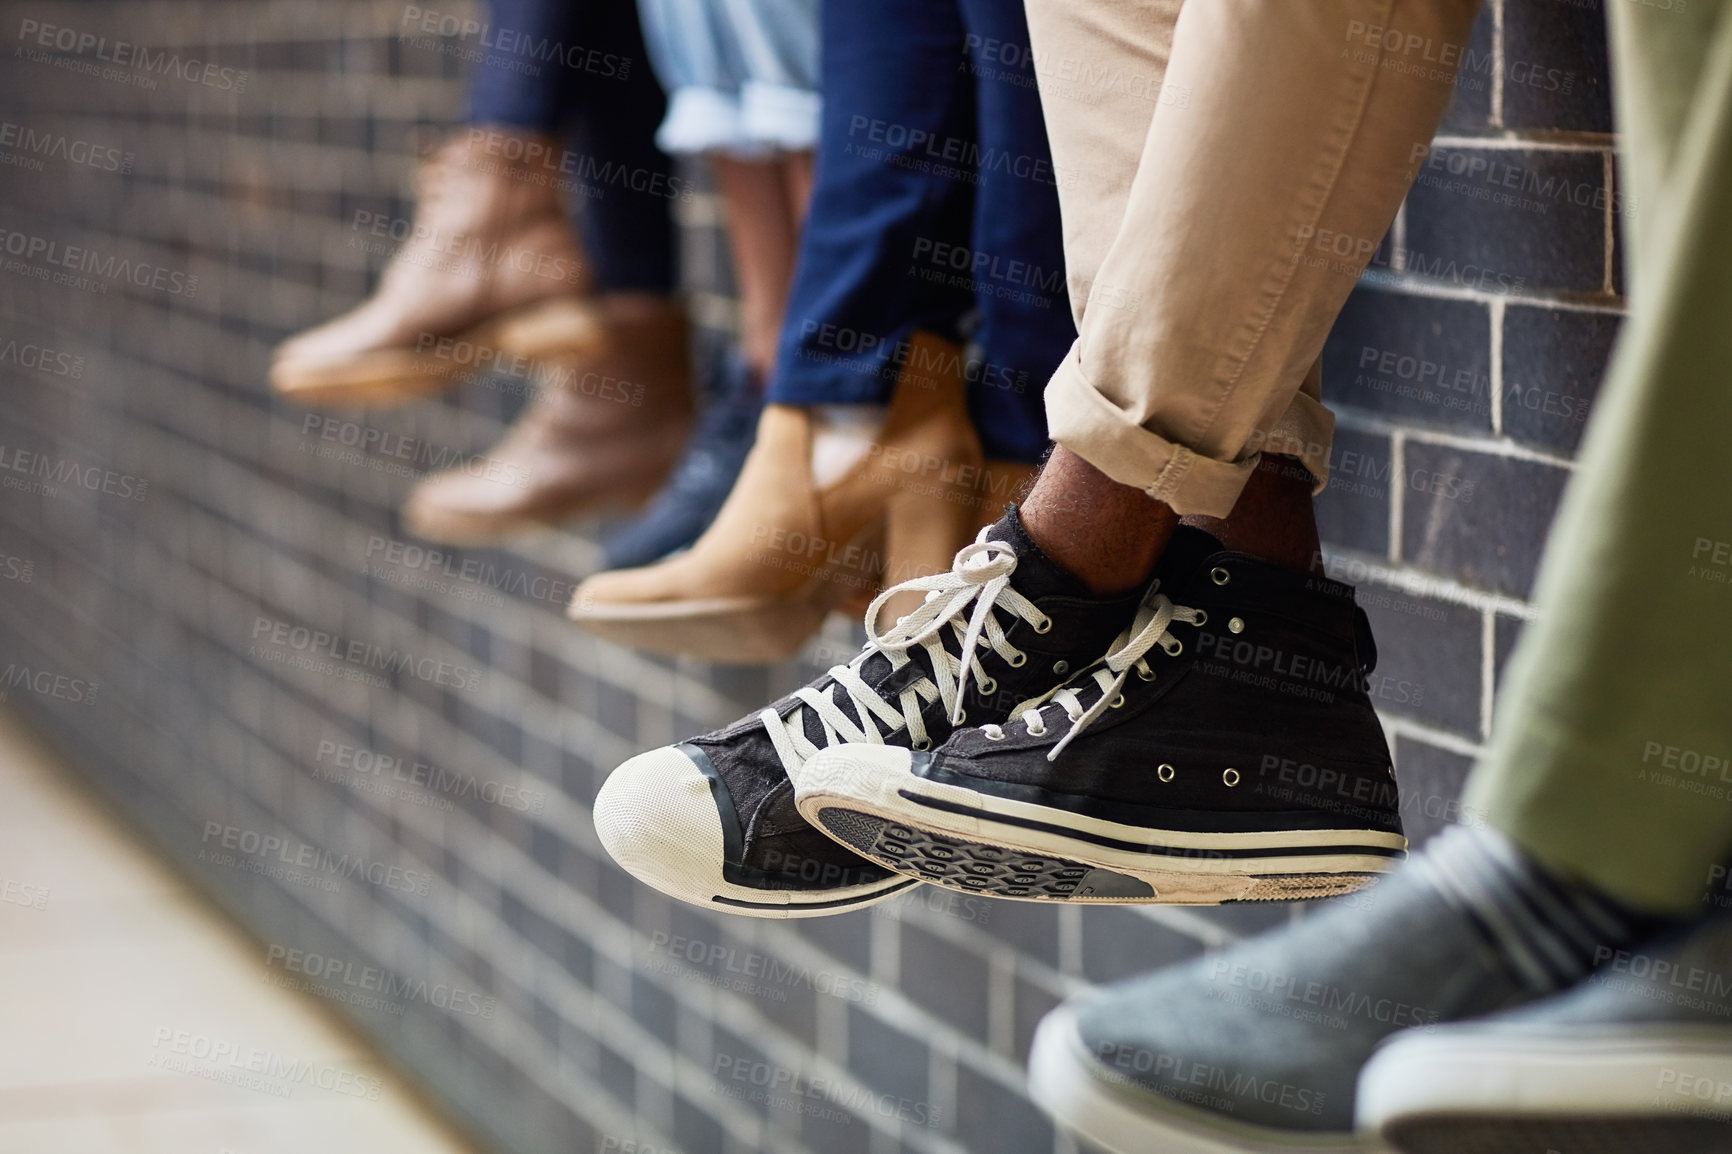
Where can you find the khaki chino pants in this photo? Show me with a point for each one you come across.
(1209, 155)
(1226, 170)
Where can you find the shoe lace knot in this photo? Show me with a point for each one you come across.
(964, 605)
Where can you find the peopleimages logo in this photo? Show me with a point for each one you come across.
(366, 764)
(40, 473)
(300, 855)
(765, 1084)
(754, 970)
(361, 655)
(511, 41)
(1214, 1087)
(467, 253)
(538, 163)
(164, 62)
(353, 443)
(43, 255)
(46, 683)
(374, 980)
(253, 1067)
(19, 893)
(36, 144)
(28, 355)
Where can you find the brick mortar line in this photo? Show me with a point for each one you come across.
(1497, 316)
(1528, 140)
(1487, 670)
(1499, 47)
(1420, 584)
(1398, 470)
(1434, 735)
(1404, 283)
(1366, 421)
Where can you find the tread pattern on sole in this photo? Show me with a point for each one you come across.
(1660, 1134)
(997, 871)
(985, 869)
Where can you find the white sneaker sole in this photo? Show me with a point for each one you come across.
(869, 799)
(1632, 1089)
(1115, 1114)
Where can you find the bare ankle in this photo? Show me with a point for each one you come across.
(1274, 519)
(1108, 535)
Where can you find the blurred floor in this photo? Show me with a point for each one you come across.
(134, 1019)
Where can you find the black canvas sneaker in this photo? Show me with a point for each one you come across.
(711, 821)
(1225, 749)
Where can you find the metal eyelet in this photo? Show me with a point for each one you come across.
(1118, 701)
(1202, 619)
(993, 732)
(1219, 575)
(1178, 648)
(1146, 674)
(923, 745)
(1166, 773)
(987, 686)
(1236, 625)
(1061, 667)
(1018, 661)
(1230, 777)
(1041, 732)
(1043, 626)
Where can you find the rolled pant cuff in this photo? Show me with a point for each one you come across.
(1306, 431)
(1084, 421)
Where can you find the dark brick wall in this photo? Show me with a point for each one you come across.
(161, 514)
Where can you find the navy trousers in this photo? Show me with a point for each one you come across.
(577, 70)
(935, 208)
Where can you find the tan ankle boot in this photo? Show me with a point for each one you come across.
(783, 551)
(1001, 483)
(491, 270)
(602, 433)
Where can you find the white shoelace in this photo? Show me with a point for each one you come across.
(1147, 630)
(978, 584)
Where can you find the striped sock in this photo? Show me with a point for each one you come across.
(1548, 929)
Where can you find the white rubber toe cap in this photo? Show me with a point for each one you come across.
(656, 816)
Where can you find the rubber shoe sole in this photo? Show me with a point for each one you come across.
(871, 800)
(431, 521)
(1575, 1090)
(745, 630)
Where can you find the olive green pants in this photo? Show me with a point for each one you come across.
(1611, 755)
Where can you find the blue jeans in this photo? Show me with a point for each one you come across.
(935, 208)
(578, 69)
(741, 75)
